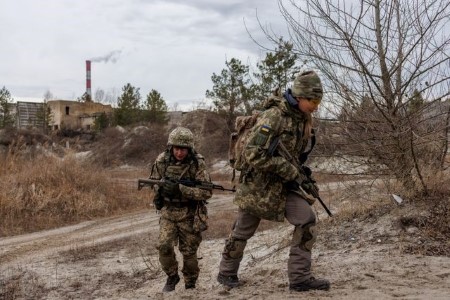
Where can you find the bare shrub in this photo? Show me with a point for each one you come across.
(388, 100)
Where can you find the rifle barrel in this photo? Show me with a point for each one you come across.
(191, 183)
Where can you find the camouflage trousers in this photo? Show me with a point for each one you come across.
(299, 213)
(176, 229)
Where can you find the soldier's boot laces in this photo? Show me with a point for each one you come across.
(310, 284)
(171, 283)
(229, 281)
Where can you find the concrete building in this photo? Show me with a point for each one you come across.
(74, 115)
(29, 115)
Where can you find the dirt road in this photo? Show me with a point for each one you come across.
(115, 259)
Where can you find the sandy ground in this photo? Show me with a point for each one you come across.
(115, 258)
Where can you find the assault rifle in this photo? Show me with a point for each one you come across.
(310, 187)
(204, 185)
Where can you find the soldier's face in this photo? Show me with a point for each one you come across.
(180, 153)
(307, 106)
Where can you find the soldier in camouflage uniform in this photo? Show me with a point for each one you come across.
(183, 214)
(269, 187)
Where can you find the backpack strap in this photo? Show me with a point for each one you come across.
(304, 156)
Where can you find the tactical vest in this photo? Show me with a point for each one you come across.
(180, 170)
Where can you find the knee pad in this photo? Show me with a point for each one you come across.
(304, 237)
(234, 248)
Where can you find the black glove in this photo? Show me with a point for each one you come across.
(307, 171)
(170, 189)
(158, 201)
(292, 185)
(310, 183)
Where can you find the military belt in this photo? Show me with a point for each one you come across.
(176, 202)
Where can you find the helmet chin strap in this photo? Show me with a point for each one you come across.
(290, 99)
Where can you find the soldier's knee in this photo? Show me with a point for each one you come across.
(305, 236)
(234, 248)
(165, 249)
(190, 256)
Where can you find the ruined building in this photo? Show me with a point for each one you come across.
(74, 115)
(64, 114)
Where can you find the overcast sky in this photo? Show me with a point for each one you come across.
(172, 46)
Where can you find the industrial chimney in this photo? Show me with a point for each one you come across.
(88, 79)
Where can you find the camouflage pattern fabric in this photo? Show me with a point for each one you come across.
(307, 85)
(261, 191)
(181, 137)
(176, 228)
(177, 223)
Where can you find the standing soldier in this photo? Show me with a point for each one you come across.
(183, 210)
(270, 185)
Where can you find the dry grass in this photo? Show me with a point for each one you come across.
(46, 192)
(22, 285)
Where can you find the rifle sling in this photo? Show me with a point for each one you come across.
(304, 156)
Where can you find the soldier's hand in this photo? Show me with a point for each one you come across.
(171, 189)
(307, 171)
(292, 185)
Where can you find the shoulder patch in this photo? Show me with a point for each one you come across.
(263, 135)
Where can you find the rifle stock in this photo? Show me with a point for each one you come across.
(204, 185)
(313, 190)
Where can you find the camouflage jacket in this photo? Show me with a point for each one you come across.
(165, 166)
(261, 191)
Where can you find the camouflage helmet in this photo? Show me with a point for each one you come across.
(307, 85)
(181, 137)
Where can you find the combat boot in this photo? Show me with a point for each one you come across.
(171, 283)
(310, 284)
(229, 281)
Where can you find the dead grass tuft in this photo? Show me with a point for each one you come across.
(22, 285)
(433, 225)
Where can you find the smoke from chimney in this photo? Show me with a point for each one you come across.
(88, 78)
(113, 56)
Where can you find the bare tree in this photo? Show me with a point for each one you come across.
(44, 114)
(111, 97)
(376, 58)
(48, 96)
(99, 95)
